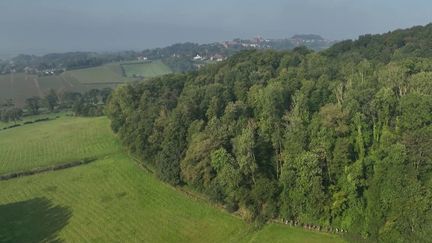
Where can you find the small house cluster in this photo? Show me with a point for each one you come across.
(216, 57)
(44, 72)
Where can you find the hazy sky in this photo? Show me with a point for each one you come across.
(103, 25)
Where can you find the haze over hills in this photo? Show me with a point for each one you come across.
(96, 25)
(315, 42)
(24, 76)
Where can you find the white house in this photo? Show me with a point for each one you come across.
(197, 58)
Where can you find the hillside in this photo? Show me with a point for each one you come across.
(109, 200)
(20, 86)
(25, 76)
(147, 69)
(349, 126)
(394, 45)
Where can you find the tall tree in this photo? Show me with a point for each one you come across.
(33, 104)
(244, 147)
(51, 99)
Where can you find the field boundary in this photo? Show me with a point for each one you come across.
(140, 163)
(132, 63)
(102, 83)
(23, 123)
(191, 194)
(40, 170)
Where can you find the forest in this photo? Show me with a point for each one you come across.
(339, 138)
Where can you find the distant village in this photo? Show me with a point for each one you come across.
(198, 54)
(32, 70)
(311, 41)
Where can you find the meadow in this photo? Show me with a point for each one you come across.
(109, 200)
(146, 69)
(109, 73)
(56, 82)
(31, 118)
(20, 86)
(63, 140)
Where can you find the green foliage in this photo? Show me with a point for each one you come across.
(91, 103)
(9, 113)
(33, 104)
(51, 100)
(305, 175)
(244, 146)
(322, 138)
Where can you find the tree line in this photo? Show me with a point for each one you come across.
(8, 111)
(90, 103)
(315, 138)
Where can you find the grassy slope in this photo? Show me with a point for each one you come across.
(147, 70)
(5, 87)
(24, 85)
(63, 140)
(20, 86)
(110, 73)
(55, 82)
(110, 200)
(30, 118)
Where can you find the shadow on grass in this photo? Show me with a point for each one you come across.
(35, 220)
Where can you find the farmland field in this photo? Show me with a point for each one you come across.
(109, 200)
(20, 86)
(109, 73)
(146, 69)
(56, 82)
(17, 86)
(6, 86)
(31, 118)
(59, 141)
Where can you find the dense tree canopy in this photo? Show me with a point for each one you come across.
(313, 137)
(8, 111)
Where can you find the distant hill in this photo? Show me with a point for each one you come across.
(311, 41)
(24, 76)
(308, 37)
(412, 42)
(179, 57)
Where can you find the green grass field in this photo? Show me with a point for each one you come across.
(59, 141)
(109, 200)
(147, 69)
(109, 73)
(31, 118)
(20, 86)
